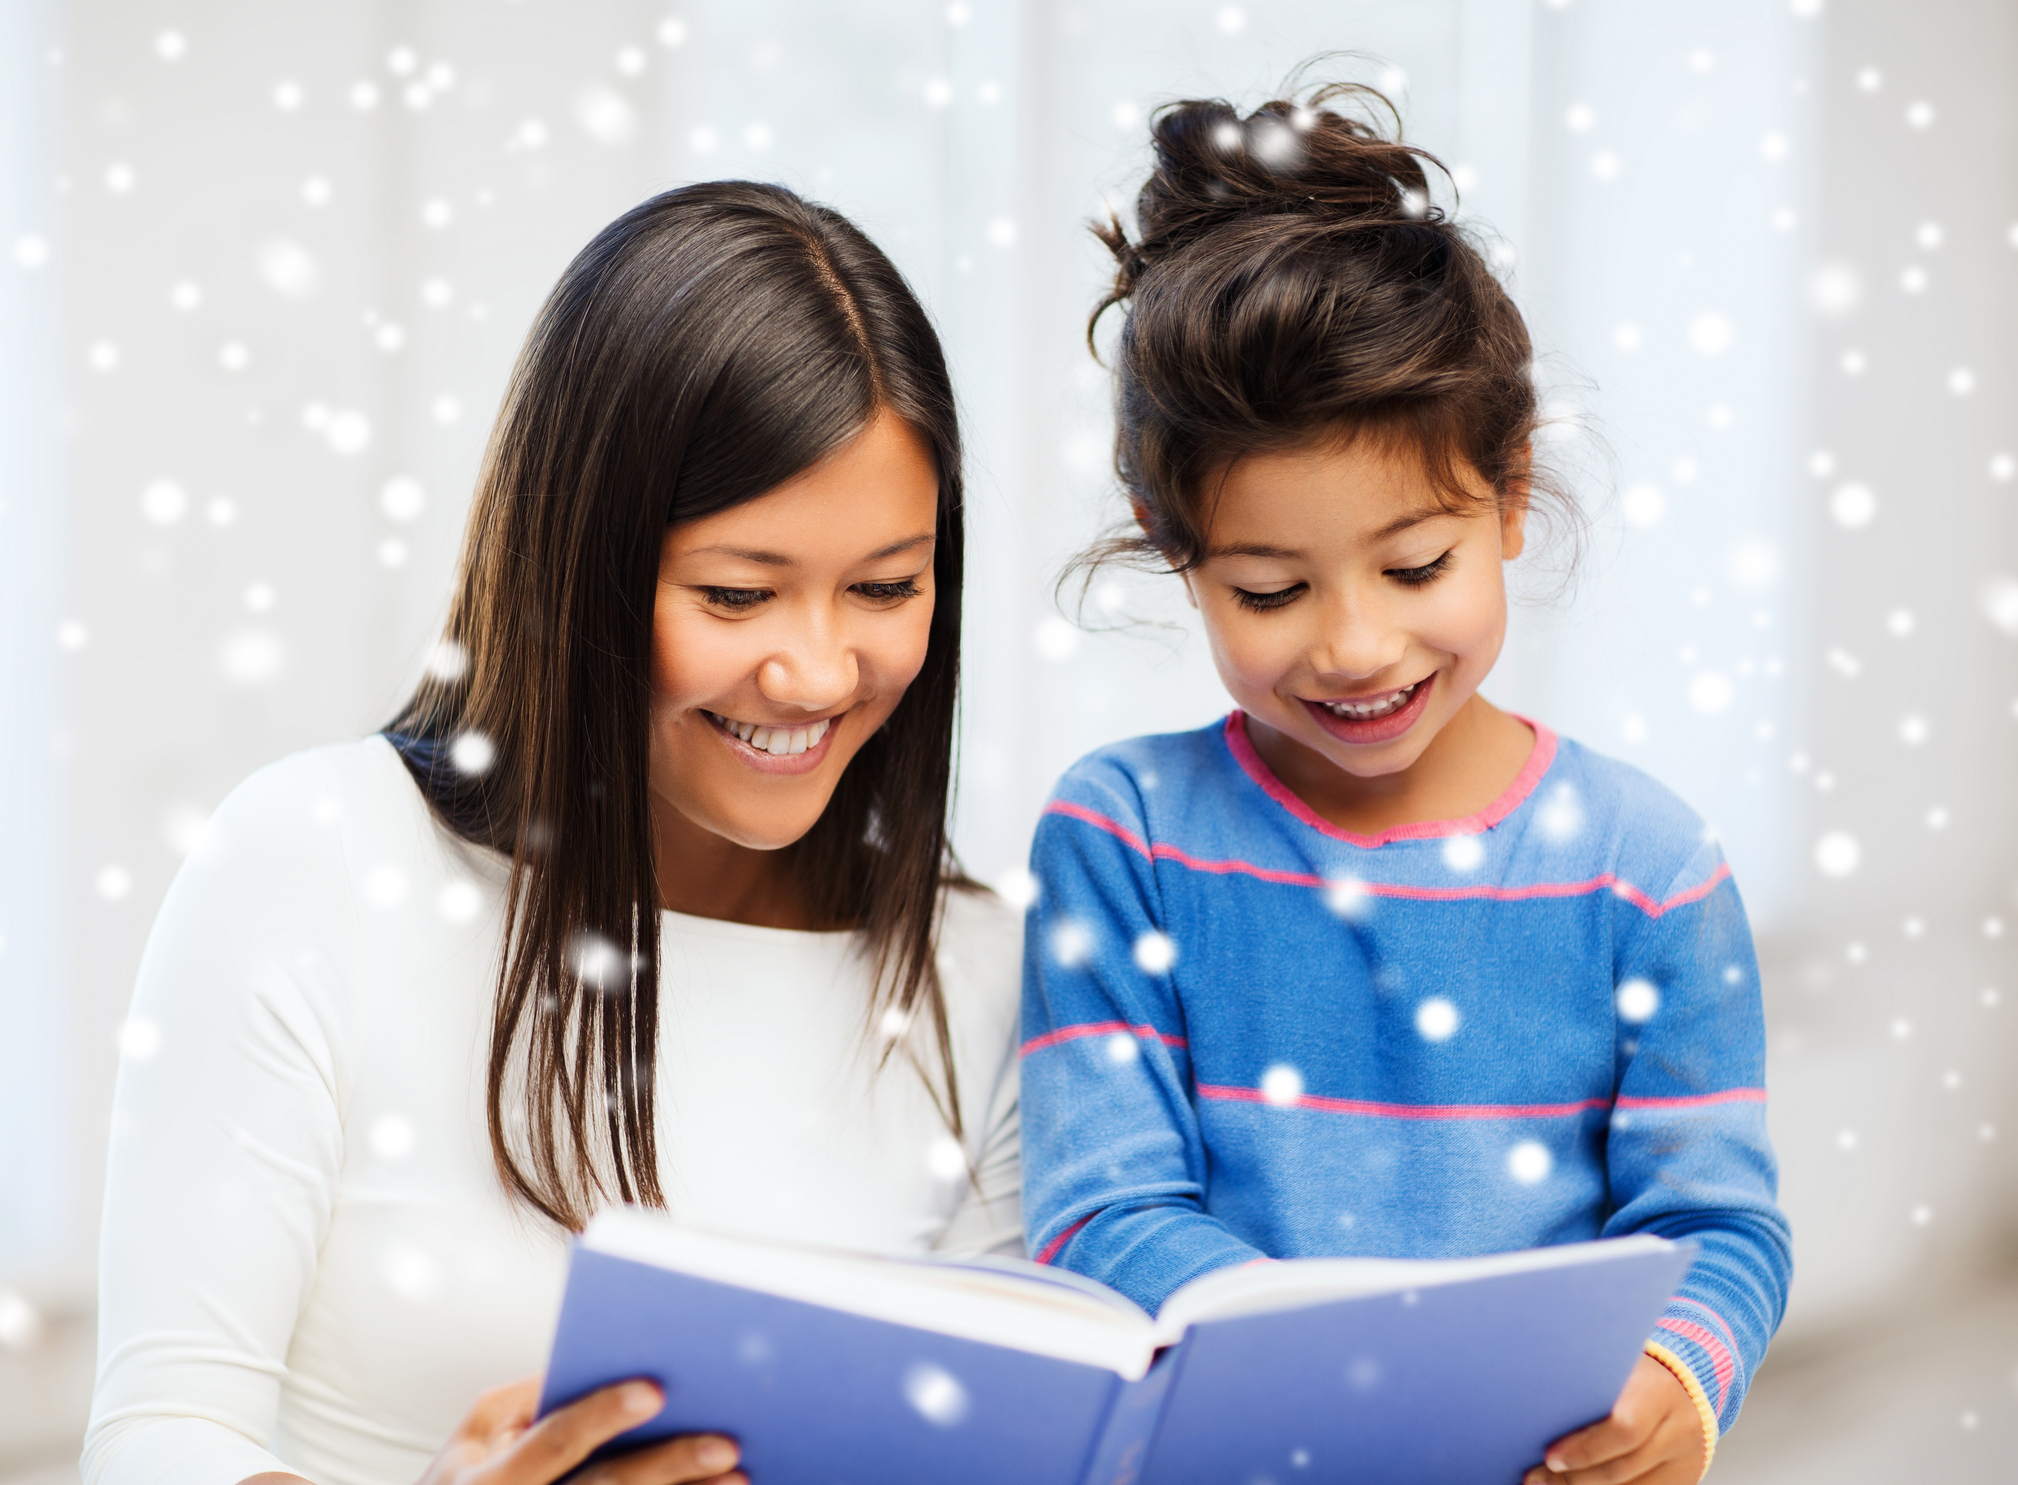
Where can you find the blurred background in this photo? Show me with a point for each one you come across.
(264, 267)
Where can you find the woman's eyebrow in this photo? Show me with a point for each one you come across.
(779, 559)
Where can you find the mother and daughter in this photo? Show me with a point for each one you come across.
(646, 895)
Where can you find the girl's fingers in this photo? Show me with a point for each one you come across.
(682, 1461)
(563, 1439)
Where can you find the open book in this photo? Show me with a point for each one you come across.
(832, 1368)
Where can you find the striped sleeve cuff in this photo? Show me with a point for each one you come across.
(1705, 1414)
(1702, 1341)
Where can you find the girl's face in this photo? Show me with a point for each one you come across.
(1347, 611)
(785, 632)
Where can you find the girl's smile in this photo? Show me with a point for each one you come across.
(1379, 718)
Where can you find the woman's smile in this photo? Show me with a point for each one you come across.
(777, 747)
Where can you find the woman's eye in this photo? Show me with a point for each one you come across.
(889, 592)
(1415, 577)
(736, 599)
(1262, 602)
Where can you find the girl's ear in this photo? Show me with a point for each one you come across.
(1513, 506)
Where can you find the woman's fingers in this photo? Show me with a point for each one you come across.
(681, 1461)
(567, 1436)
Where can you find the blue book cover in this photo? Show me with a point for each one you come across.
(845, 1369)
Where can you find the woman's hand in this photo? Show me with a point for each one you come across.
(1653, 1437)
(498, 1443)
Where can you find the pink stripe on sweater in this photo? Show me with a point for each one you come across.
(1097, 1028)
(1696, 1100)
(1720, 1355)
(1540, 756)
(1163, 851)
(1057, 1244)
(1407, 1110)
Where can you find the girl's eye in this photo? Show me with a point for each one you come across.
(1262, 602)
(736, 600)
(889, 592)
(1415, 577)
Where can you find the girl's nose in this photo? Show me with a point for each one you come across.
(1357, 643)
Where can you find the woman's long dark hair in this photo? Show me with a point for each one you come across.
(703, 349)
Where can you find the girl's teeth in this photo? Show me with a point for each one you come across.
(1362, 711)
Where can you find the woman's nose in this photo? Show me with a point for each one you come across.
(816, 672)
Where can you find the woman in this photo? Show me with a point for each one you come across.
(644, 897)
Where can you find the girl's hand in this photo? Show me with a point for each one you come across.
(498, 1443)
(1654, 1437)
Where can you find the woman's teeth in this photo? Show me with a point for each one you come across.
(1380, 706)
(779, 742)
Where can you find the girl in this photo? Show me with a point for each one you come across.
(644, 897)
(1373, 967)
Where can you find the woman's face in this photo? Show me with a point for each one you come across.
(785, 633)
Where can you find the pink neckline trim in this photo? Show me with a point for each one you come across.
(1540, 756)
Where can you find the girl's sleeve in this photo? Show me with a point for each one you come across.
(1688, 1152)
(1114, 1164)
(226, 1143)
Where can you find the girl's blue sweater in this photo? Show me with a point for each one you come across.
(1249, 1033)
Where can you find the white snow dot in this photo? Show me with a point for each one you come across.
(448, 661)
(436, 213)
(392, 1137)
(1462, 853)
(936, 1394)
(1282, 1085)
(1055, 638)
(1900, 622)
(1805, 10)
(1070, 944)
(1853, 506)
(1155, 953)
(1628, 336)
(630, 60)
(945, 1159)
(1232, 20)
(1562, 814)
(1913, 730)
(411, 1273)
(251, 657)
(2000, 604)
(139, 1038)
(1837, 854)
(113, 883)
(402, 498)
(1002, 232)
(1348, 897)
(472, 753)
(1961, 381)
(1580, 118)
(1869, 79)
(20, 1323)
(289, 269)
(1637, 1001)
(164, 502)
(1710, 333)
(1436, 1019)
(102, 355)
(385, 886)
(1606, 165)
(1920, 114)
(1835, 289)
(288, 95)
(672, 32)
(120, 178)
(446, 409)
(1017, 887)
(1773, 146)
(347, 431)
(1643, 506)
(1122, 1048)
(459, 901)
(30, 251)
(1922, 1214)
(2003, 467)
(1846, 1140)
(1633, 727)
(1902, 1029)
(938, 93)
(1711, 692)
(597, 962)
(1529, 1162)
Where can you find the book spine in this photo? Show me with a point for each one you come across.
(1122, 1448)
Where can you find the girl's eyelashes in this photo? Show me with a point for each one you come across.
(1262, 602)
(1415, 577)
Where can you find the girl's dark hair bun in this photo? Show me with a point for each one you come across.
(1288, 158)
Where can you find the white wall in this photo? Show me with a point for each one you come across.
(375, 315)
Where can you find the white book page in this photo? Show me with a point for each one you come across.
(1259, 1288)
(989, 1300)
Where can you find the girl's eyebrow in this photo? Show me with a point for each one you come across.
(1289, 554)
